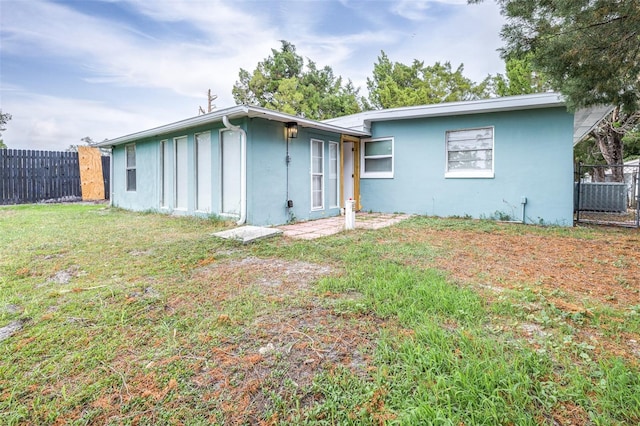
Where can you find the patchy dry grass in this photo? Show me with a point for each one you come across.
(130, 318)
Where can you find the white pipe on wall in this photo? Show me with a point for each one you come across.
(111, 168)
(243, 168)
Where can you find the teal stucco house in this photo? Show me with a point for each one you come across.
(508, 157)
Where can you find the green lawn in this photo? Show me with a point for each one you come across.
(141, 318)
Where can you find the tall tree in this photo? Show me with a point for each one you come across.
(86, 141)
(395, 84)
(282, 82)
(589, 50)
(609, 136)
(520, 78)
(5, 117)
(631, 142)
(614, 135)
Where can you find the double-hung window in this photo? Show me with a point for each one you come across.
(317, 174)
(130, 152)
(470, 153)
(377, 158)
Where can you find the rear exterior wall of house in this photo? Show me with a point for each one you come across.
(181, 173)
(530, 160)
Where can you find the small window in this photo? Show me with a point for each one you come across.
(377, 158)
(470, 153)
(130, 151)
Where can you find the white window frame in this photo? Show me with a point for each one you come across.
(470, 173)
(314, 174)
(128, 167)
(379, 174)
(336, 146)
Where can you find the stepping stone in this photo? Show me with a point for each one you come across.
(247, 234)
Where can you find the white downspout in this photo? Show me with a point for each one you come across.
(243, 168)
(111, 168)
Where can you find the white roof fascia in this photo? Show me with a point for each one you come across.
(360, 124)
(584, 119)
(232, 113)
(507, 103)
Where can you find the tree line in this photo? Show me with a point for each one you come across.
(585, 49)
(285, 82)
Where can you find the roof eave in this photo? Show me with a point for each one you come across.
(231, 113)
(482, 106)
(586, 119)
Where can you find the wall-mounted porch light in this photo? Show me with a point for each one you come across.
(292, 130)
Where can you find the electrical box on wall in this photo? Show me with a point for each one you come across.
(289, 204)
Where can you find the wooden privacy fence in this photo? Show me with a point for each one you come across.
(28, 176)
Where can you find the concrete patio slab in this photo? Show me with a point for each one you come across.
(332, 225)
(247, 234)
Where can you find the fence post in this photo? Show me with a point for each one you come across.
(578, 192)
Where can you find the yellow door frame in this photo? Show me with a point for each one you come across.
(356, 169)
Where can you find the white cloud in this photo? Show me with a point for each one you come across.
(54, 123)
(469, 35)
(411, 9)
(116, 54)
(416, 10)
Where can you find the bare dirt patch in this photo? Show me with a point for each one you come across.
(268, 273)
(573, 274)
(6, 212)
(281, 350)
(66, 275)
(605, 269)
(280, 355)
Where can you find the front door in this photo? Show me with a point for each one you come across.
(350, 175)
(349, 171)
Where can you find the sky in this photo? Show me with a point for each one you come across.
(107, 68)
